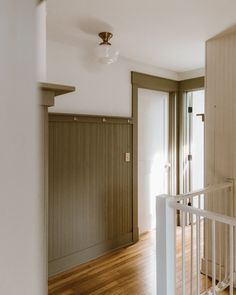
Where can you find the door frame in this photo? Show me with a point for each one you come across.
(140, 80)
(186, 86)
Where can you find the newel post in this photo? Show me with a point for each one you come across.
(165, 246)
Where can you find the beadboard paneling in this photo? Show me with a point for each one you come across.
(90, 188)
(220, 135)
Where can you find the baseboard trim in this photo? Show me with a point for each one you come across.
(135, 234)
(75, 259)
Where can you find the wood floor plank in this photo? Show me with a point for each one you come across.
(127, 271)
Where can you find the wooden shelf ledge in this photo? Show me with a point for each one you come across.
(56, 88)
(51, 90)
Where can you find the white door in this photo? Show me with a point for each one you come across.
(152, 153)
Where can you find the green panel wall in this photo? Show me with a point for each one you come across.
(90, 188)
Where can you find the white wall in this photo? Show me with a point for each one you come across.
(41, 41)
(21, 224)
(101, 89)
(152, 153)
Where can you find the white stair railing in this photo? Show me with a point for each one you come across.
(202, 259)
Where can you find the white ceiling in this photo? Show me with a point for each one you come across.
(165, 33)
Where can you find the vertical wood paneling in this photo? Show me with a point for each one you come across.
(90, 189)
(220, 135)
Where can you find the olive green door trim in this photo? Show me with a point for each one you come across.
(145, 81)
(191, 84)
(153, 83)
(184, 87)
(135, 161)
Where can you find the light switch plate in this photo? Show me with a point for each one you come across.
(127, 157)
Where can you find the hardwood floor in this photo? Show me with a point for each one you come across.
(128, 271)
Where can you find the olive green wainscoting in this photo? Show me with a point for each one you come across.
(90, 188)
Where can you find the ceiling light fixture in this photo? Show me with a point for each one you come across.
(105, 52)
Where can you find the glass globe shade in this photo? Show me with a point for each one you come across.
(106, 54)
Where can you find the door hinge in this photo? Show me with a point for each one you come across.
(190, 157)
(190, 110)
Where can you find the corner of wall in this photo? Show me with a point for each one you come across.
(191, 74)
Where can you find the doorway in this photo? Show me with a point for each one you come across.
(194, 107)
(164, 92)
(152, 154)
(175, 167)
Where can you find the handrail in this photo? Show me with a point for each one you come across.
(174, 203)
(208, 189)
(166, 207)
(204, 213)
